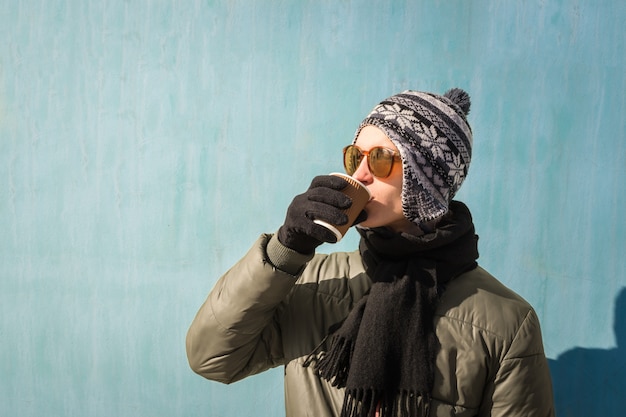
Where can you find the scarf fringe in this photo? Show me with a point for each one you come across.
(364, 403)
(334, 364)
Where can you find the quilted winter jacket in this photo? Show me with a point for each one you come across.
(491, 361)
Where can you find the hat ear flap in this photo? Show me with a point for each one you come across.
(460, 98)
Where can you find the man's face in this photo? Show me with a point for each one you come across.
(385, 207)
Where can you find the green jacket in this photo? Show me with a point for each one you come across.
(491, 361)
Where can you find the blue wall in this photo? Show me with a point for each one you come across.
(146, 144)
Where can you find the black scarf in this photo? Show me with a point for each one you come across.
(384, 351)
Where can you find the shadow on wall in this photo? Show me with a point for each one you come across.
(592, 382)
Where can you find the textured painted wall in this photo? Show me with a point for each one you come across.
(146, 144)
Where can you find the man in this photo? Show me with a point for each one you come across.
(408, 324)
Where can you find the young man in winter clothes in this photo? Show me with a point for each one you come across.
(406, 325)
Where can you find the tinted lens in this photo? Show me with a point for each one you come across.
(380, 161)
(351, 158)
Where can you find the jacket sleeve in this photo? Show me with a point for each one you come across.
(522, 385)
(235, 333)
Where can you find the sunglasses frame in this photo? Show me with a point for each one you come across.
(395, 156)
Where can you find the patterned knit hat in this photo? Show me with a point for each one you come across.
(435, 142)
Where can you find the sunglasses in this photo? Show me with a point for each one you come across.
(379, 160)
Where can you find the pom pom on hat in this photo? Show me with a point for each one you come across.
(460, 98)
(434, 139)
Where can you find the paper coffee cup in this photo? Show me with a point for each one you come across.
(359, 194)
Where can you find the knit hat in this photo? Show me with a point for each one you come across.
(435, 142)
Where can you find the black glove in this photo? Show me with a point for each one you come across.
(322, 201)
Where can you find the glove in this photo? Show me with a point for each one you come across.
(322, 201)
